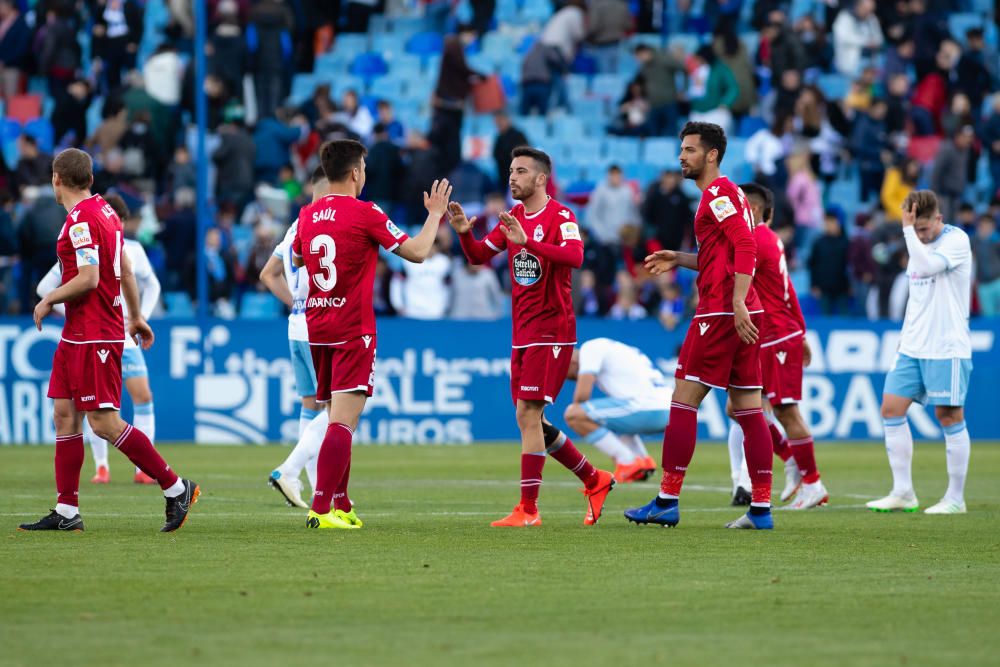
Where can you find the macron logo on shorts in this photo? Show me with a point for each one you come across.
(103, 354)
(781, 357)
(556, 350)
(704, 327)
(367, 340)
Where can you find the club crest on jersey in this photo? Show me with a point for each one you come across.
(703, 326)
(79, 235)
(539, 233)
(722, 207)
(527, 269)
(781, 357)
(393, 229)
(103, 354)
(570, 231)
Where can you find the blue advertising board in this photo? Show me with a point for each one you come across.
(222, 381)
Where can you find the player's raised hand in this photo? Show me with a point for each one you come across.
(42, 310)
(457, 218)
(140, 331)
(745, 328)
(661, 261)
(910, 217)
(512, 229)
(436, 202)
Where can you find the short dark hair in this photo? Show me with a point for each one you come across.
(340, 156)
(116, 202)
(317, 175)
(75, 169)
(541, 158)
(614, 168)
(762, 193)
(641, 48)
(710, 136)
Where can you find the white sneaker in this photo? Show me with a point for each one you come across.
(810, 495)
(289, 487)
(946, 506)
(793, 480)
(906, 503)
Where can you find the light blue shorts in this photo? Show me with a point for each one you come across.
(133, 363)
(624, 416)
(929, 381)
(302, 366)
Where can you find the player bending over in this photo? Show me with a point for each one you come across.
(133, 362)
(721, 348)
(543, 247)
(783, 355)
(934, 360)
(87, 367)
(291, 285)
(337, 241)
(635, 403)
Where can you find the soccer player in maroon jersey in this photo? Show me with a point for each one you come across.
(86, 369)
(784, 354)
(722, 348)
(337, 240)
(543, 247)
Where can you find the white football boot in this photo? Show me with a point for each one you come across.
(289, 487)
(793, 480)
(891, 503)
(810, 495)
(946, 506)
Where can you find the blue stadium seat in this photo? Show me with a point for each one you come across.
(623, 150)
(536, 10)
(586, 150)
(303, 86)
(749, 125)
(333, 61)
(481, 62)
(567, 128)
(368, 66)
(576, 87)
(595, 126)
(425, 44)
(177, 304)
(661, 151)
(643, 172)
(351, 43)
(259, 306)
(405, 66)
(390, 87)
(959, 24)
(608, 86)
(41, 130)
(526, 43)
(10, 130)
(590, 108)
(584, 64)
(534, 127)
(834, 86)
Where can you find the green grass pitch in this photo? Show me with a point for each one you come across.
(428, 582)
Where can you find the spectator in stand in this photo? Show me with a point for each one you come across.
(162, 75)
(870, 148)
(898, 105)
(422, 291)
(117, 32)
(806, 200)
(181, 172)
(959, 113)
(260, 251)
(900, 180)
(228, 47)
(857, 36)
(671, 308)
(828, 268)
(712, 90)
(386, 115)
(57, 50)
(780, 48)
(319, 109)
(274, 137)
(234, 160)
(476, 293)
(536, 78)
(37, 234)
(815, 128)
(33, 166)
(766, 150)
(355, 117)
(455, 81)
(8, 252)
(990, 136)
(861, 266)
(611, 207)
(899, 59)
(659, 71)
(817, 48)
(15, 42)
(69, 117)
(359, 13)
(178, 235)
(626, 306)
(986, 253)
(633, 112)
(930, 96)
(563, 33)
(973, 76)
(384, 170)
(269, 39)
(950, 174)
(731, 53)
(220, 265)
(508, 138)
(666, 212)
(781, 99)
(610, 21)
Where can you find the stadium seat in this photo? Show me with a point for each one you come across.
(41, 130)
(567, 128)
(660, 151)
(589, 108)
(177, 304)
(622, 150)
(534, 127)
(259, 306)
(351, 43)
(608, 86)
(959, 24)
(525, 45)
(584, 64)
(749, 125)
(10, 130)
(303, 86)
(576, 87)
(834, 86)
(368, 66)
(24, 108)
(425, 44)
(586, 150)
(390, 87)
(536, 10)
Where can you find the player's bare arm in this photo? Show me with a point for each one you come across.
(807, 353)
(584, 387)
(416, 248)
(662, 261)
(741, 315)
(85, 280)
(138, 328)
(273, 277)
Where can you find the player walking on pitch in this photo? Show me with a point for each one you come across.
(134, 370)
(543, 247)
(783, 355)
(290, 285)
(721, 349)
(337, 241)
(934, 360)
(87, 366)
(635, 403)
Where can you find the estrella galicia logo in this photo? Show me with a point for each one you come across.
(527, 268)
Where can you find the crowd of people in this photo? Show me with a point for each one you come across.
(921, 109)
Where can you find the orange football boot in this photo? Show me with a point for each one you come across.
(519, 519)
(632, 472)
(143, 478)
(103, 476)
(649, 467)
(596, 496)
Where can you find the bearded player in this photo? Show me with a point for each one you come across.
(87, 367)
(784, 354)
(337, 241)
(722, 347)
(543, 247)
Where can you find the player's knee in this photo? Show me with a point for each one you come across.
(141, 395)
(309, 403)
(949, 416)
(528, 416)
(64, 417)
(574, 415)
(890, 410)
(106, 425)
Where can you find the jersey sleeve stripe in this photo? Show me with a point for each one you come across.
(493, 247)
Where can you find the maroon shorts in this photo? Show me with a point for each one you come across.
(537, 373)
(346, 367)
(714, 355)
(781, 368)
(88, 373)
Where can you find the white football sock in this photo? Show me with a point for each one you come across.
(307, 447)
(144, 419)
(174, 490)
(98, 446)
(636, 444)
(305, 416)
(610, 444)
(957, 447)
(899, 447)
(744, 479)
(736, 461)
(311, 472)
(67, 511)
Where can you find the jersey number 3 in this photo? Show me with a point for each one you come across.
(324, 246)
